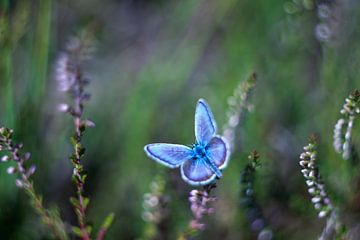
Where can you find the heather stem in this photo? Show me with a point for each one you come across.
(199, 201)
(70, 79)
(54, 224)
(78, 173)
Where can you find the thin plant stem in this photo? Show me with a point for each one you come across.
(71, 79)
(51, 220)
(78, 174)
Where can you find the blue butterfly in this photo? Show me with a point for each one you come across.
(201, 163)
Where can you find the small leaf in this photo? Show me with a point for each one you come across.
(108, 221)
(78, 213)
(89, 229)
(86, 202)
(73, 140)
(80, 149)
(77, 231)
(83, 177)
(75, 202)
(73, 158)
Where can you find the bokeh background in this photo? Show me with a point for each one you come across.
(154, 59)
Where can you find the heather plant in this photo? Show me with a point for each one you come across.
(155, 210)
(71, 79)
(248, 200)
(343, 127)
(15, 154)
(334, 228)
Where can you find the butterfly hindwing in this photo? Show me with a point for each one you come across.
(170, 155)
(205, 125)
(197, 172)
(218, 151)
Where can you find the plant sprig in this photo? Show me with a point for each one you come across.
(71, 79)
(248, 198)
(199, 205)
(238, 104)
(50, 217)
(343, 127)
(316, 188)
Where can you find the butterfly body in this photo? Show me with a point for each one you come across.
(200, 152)
(201, 163)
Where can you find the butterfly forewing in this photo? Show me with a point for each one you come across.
(170, 155)
(205, 125)
(217, 151)
(197, 172)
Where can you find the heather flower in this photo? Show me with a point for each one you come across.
(237, 105)
(248, 198)
(343, 127)
(316, 187)
(71, 79)
(50, 217)
(155, 211)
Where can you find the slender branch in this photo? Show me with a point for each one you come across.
(316, 188)
(78, 173)
(105, 226)
(155, 210)
(70, 79)
(343, 127)
(238, 104)
(51, 220)
(199, 205)
(249, 203)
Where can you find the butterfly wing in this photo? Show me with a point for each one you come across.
(218, 151)
(170, 155)
(205, 125)
(197, 172)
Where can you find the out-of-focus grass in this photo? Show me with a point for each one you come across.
(154, 60)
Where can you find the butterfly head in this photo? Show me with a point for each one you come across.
(199, 151)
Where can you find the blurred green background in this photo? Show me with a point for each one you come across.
(154, 60)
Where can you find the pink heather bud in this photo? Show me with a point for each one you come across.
(322, 214)
(31, 171)
(21, 169)
(19, 183)
(5, 158)
(210, 210)
(63, 107)
(197, 225)
(89, 123)
(193, 198)
(316, 199)
(194, 192)
(212, 199)
(317, 206)
(11, 170)
(27, 156)
(194, 207)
